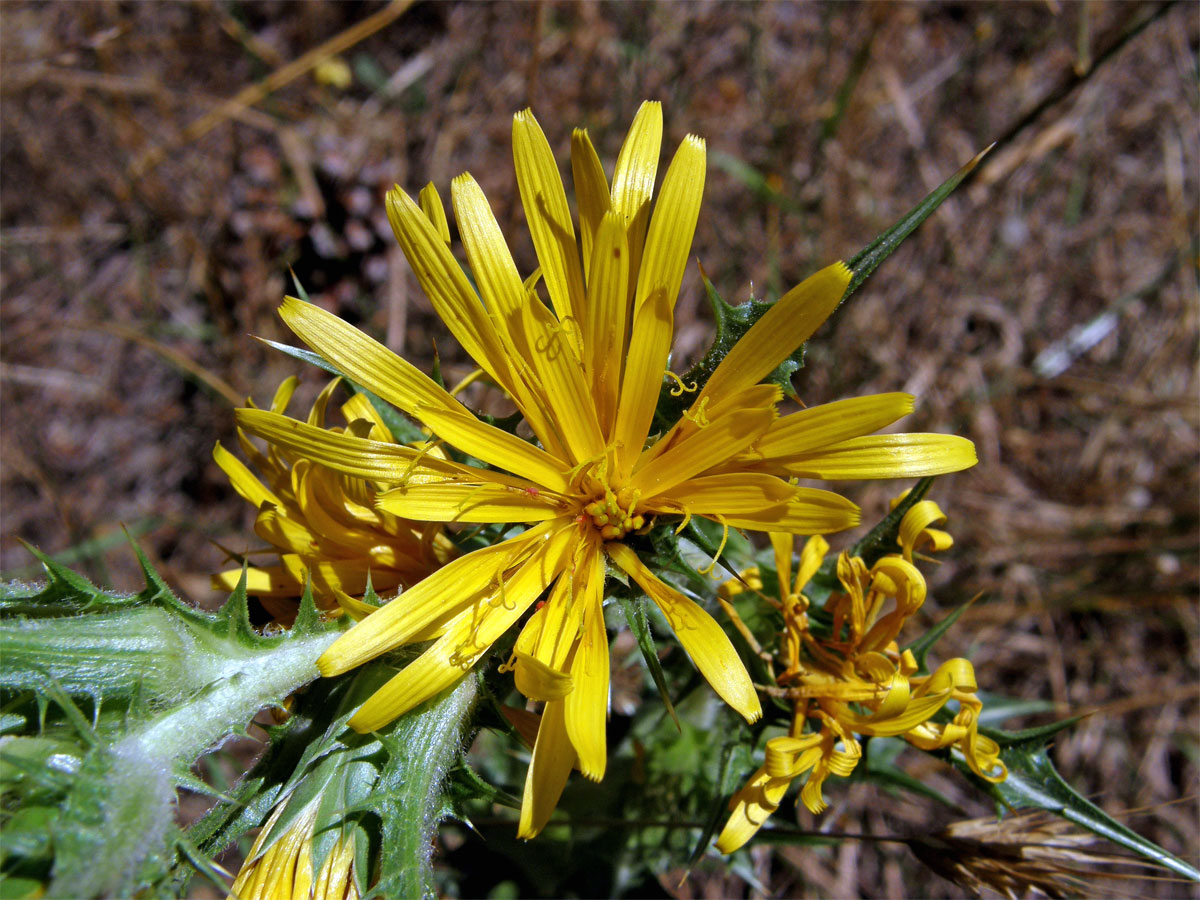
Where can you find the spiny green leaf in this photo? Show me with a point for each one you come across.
(303, 355)
(1029, 740)
(308, 619)
(921, 646)
(410, 790)
(635, 615)
(116, 815)
(120, 655)
(1034, 782)
(867, 260)
(998, 708)
(735, 762)
(52, 690)
(464, 783)
(300, 291)
(65, 593)
(201, 863)
(174, 680)
(33, 767)
(185, 780)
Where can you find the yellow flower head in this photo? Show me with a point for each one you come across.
(857, 680)
(281, 863)
(323, 525)
(585, 371)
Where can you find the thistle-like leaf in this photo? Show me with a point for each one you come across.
(639, 625)
(139, 687)
(1033, 782)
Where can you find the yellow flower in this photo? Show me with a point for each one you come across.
(857, 680)
(282, 864)
(830, 751)
(325, 526)
(585, 372)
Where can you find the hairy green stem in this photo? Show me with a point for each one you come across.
(118, 816)
(427, 742)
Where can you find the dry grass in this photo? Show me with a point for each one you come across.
(1081, 522)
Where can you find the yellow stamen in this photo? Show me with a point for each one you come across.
(680, 388)
(708, 570)
(700, 414)
(466, 382)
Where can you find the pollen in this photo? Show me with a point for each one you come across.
(615, 515)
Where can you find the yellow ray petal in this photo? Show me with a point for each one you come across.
(326, 515)
(727, 494)
(784, 327)
(810, 511)
(283, 393)
(703, 639)
(265, 581)
(330, 510)
(553, 758)
(605, 322)
(453, 587)
(560, 381)
(883, 456)
(914, 714)
(552, 632)
(316, 415)
(811, 558)
(538, 681)
(587, 704)
(435, 212)
(495, 446)
(591, 193)
(649, 348)
(468, 637)
(707, 448)
(359, 407)
(915, 527)
(426, 676)
(758, 396)
(280, 531)
(447, 286)
(505, 294)
(673, 224)
(781, 545)
(819, 426)
(488, 254)
(633, 178)
(243, 481)
(364, 359)
(472, 503)
(373, 460)
(548, 216)
(750, 808)
(349, 575)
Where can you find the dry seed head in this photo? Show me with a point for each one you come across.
(1027, 854)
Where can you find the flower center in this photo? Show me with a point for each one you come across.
(615, 515)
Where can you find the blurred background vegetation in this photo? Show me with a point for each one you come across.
(165, 164)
